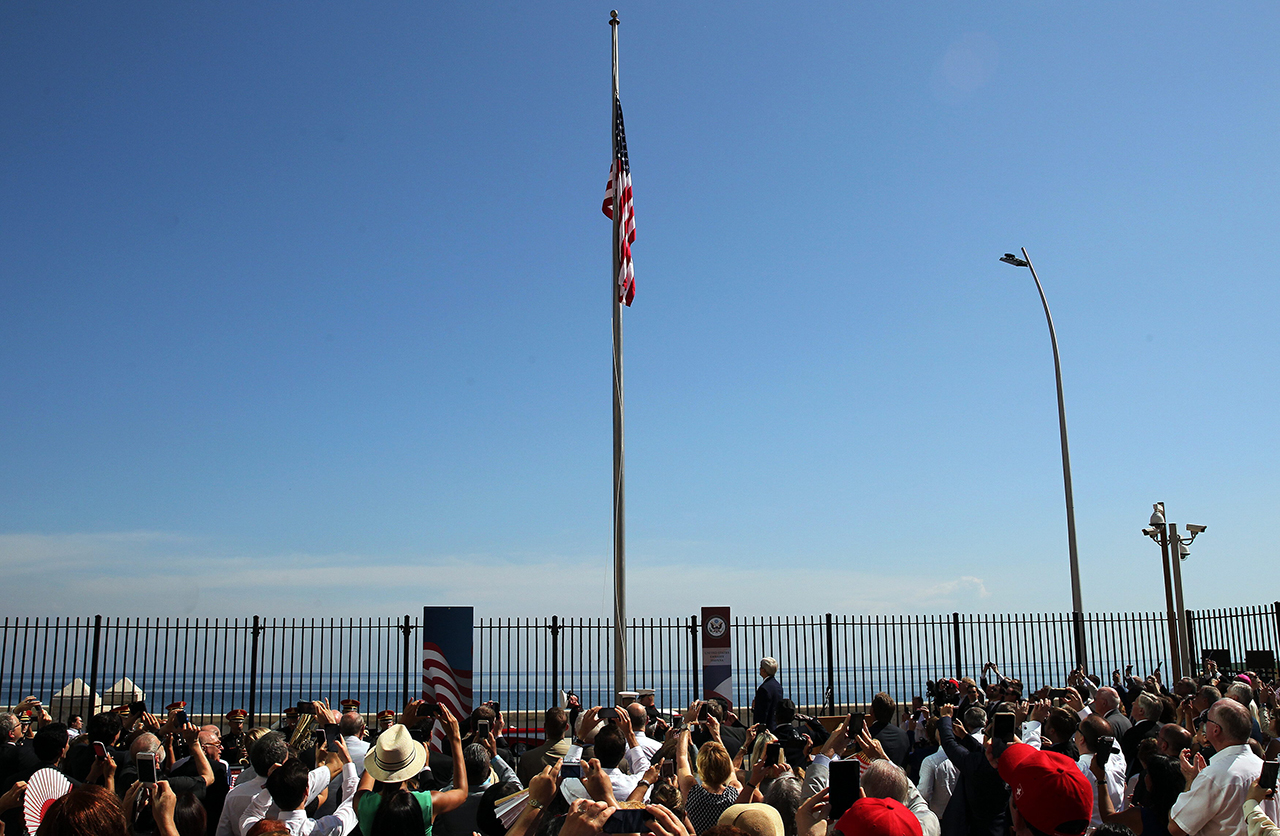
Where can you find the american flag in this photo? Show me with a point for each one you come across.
(446, 663)
(620, 184)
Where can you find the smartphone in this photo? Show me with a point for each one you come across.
(139, 707)
(1003, 725)
(1267, 780)
(607, 713)
(845, 776)
(180, 717)
(855, 723)
(571, 770)
(704, 711)
(495, 705)
(1057, 693)
(99, 751)
(1106, 745)
(669, 769)
(628, 820)
(677, 721)
(319, 738)
(305, 707)
(771, 753)
(147, 767)
(431, 709)
(482, 728)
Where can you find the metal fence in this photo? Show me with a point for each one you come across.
(79, 665)
(829, 662)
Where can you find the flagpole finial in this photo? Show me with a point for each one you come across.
(613, 18)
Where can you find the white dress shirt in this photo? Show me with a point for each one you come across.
(237, 801)
(938, 777)
(342, 822)
(1214, 803)
(1115, 772)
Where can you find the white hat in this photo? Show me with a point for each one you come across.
(395, 756)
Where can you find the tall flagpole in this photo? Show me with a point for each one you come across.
(619, 493)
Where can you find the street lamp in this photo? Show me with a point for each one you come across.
(1174, 548)
(1077, 610)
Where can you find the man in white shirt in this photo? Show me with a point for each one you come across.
(639, 717)
(287, 786)
(612, 749)
(269, 749)
(1093, 732)
(938, 775)
(1213, 803)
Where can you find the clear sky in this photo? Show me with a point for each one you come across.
(304, 306)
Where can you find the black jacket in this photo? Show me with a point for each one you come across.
(895, 742)
(764, 706)
(980, 804)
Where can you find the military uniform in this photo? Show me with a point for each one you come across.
(235, 747)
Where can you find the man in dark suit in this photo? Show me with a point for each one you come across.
(894, 741)
(768, 695)
(979, 805)
(1146, 723)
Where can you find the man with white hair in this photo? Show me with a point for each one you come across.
(1106, 704)
(1213, 803)
(1145, 715)
(885, 779)
(768, 695)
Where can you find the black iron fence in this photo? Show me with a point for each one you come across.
(80, 665)
(829, 663)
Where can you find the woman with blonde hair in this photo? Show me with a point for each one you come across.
(715, 788)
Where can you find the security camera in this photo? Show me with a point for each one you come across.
(1149, 532)
(1196, 529)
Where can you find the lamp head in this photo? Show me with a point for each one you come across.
(1010, 258)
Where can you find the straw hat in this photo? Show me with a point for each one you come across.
(396, 756)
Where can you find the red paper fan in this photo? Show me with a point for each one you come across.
(43, 788)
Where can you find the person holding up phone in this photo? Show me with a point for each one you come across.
(1096, 743)
(394, 762)
(718, 791)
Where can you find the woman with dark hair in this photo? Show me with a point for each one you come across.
(387, 803)
(1163, 781)
(398, 814)
(189, 816)
(87, 810)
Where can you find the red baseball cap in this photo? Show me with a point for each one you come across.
(879, 817)
(1048, 789)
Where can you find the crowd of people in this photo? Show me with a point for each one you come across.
(1131, 756)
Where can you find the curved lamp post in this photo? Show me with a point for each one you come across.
(1077, 612)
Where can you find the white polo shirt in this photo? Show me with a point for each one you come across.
(1214, 803)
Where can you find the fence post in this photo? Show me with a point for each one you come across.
(1275, 610)
(1191, 645)
(93, 669)
(955, 636)
(831, 671)
(555, 657)
(408, 631)
(693, 655)
(253, 672)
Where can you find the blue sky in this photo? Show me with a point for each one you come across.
(305, 305)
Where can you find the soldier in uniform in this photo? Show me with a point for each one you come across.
(386, 719)
(234, 748)
(288, 721)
